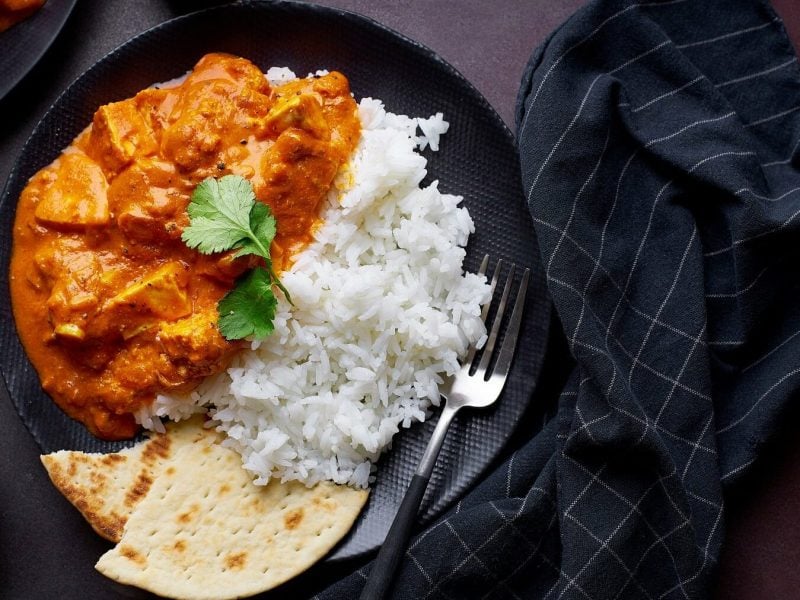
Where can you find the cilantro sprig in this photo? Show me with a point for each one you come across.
(225, 215)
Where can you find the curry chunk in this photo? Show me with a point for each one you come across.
(151, 185)
(195, 343)
(227, 67)
(303, 111)
(120, 133)
(225, 99)
(155, 105)
(161, 294)
(76, 197)
(80, 307)
(148, 202)
(73, 296)
(295, 200)
(338, 107)
(225, 267)
(139, 226)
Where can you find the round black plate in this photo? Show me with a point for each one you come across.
(23, 45)
(477, 159)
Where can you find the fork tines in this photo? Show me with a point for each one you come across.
(509, 340)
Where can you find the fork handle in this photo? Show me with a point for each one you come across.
(394, 546)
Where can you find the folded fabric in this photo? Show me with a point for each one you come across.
(659, 150)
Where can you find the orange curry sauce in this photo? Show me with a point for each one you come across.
(111, 306)
(14, 11)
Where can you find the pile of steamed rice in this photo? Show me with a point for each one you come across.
(382, 312)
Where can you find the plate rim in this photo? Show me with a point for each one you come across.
(59, 20)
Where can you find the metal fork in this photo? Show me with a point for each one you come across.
(475, 387)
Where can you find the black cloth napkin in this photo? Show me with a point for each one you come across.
(659, 150)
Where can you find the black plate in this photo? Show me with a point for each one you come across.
(23, 45)
(477, 159)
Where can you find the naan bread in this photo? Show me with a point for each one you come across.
(106, 488)
(189, 521)
(205, 530)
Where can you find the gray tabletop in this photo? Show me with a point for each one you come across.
(48, 552)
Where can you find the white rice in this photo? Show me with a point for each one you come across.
(382, 311)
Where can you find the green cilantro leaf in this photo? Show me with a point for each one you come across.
(263, 228)
(249, 308)
(263, 223)
(225, 215)
(219, 214)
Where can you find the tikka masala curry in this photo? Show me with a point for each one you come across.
(111, 306)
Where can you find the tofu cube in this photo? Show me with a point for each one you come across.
(77, 197)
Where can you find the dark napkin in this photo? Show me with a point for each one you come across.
(658, 144)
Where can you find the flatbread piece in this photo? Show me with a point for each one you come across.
(205, 531)
(106, 488)
(190, 523)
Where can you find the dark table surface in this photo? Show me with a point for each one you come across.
(489, 42)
